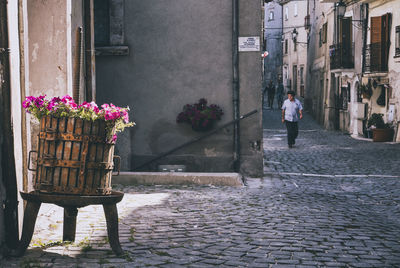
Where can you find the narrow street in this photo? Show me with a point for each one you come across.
(332, 201)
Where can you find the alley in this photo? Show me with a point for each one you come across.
(332, 201)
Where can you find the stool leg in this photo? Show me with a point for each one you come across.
(30, 214)
(69, 226)
(111, 213)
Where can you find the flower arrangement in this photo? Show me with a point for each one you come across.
(200, 115)
(116, 118)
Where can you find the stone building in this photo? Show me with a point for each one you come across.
(294, 46)
(181, 51)
(273, 41)
(352, 47)
(155, 58)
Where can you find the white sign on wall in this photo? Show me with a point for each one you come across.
(251, 43)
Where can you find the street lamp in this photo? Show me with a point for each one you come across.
(294, 37)
(341, 9)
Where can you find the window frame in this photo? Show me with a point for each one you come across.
(116, 31)
(271, 15)
(286, 12)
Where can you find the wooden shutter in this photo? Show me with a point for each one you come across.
(376, 40)
(386, 21)
(376, 27)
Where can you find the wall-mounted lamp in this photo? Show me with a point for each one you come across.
(340, 9)
(294, 37)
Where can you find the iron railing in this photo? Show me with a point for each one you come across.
(375, 58)
(341, 57)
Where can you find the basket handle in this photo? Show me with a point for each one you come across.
(29, 161)
(118, 163)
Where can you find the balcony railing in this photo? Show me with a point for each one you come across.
(375, 58)
(341, 57)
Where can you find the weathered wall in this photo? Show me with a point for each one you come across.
(47, 47)
(392, 77)
(250, 77)
(180, 51)
(299, 56)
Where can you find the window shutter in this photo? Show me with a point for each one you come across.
(386, 21)
(376, 26)
(376, 40)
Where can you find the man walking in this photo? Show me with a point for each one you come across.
(292, 111)
(271, 94)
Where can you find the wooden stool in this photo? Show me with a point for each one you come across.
(70, 203)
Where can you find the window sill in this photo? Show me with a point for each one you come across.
(112, 51)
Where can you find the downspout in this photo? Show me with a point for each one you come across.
(365, 15)
(8, 173)
(235, 89)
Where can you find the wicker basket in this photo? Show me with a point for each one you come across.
(73, 157)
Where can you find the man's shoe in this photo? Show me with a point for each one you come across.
(290, 146)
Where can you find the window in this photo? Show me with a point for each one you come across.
(286, 46)
(294, 45)
(397, 43)
(271, 15)
(320, 37)
(286, 13)
(295, 9)
(301, 75)
(109, 28)
(294, 78)
(302, 81)
(324, 32)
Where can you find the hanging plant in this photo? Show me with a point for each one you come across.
(366, 91)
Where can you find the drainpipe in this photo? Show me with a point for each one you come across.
(8, 173)
(365, 15)
(235, 89)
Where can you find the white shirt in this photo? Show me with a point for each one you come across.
(292, 109)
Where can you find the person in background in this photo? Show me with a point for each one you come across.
(271, 94)
(292, 111)
(279, 93)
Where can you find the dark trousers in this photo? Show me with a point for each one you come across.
(292, 131)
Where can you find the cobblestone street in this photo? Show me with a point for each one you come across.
(331, 201)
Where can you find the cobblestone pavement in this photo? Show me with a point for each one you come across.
(332, 201)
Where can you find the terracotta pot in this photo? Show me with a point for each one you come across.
(382, 134)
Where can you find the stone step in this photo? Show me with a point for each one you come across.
(178, 178)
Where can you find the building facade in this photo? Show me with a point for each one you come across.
(294, 46)
(272, 42)
(353, 51)
(181, 51)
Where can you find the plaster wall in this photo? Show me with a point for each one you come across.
(181, 51)
(298, 57)
(47, 47)
(317, 81)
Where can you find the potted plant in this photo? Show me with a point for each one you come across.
(381, 131)
(199, 115)
(75, 149)
(366, 91)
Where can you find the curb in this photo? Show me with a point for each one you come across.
(178, 178)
